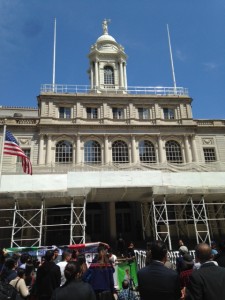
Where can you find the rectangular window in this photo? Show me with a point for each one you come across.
(169, 113)
(118, 113)
(64, 112)
(143, 113)
(209, 154)
(92, 112)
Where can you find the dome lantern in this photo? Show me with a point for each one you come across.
(107, 60)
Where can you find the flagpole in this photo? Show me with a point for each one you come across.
(54, 56)
(2, 150)
(171, 60)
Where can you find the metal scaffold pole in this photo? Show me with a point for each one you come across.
(13, 226)
(201, 221)
(77, 222)
(161, 222)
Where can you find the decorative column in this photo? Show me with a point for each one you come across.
(133, 146)
(187, 149)
(92, 75)
(160, 150)
(112, 221)
(125, 76)
(41, 150)
(96, 74)
(78, 150)
(129, 154)
(157, 111)
(121, 75)
(49, 149)
(74, 153)
(106, 149)
(50, 109)
(183, 152)
(189, 111)
(194, 149)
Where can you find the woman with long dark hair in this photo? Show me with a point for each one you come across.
(100, 275)
(74, 288)
(19, 283)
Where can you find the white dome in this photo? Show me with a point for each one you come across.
(106, 38)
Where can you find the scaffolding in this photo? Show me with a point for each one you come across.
(192, 217)
(29, 226)
(204, 219)
(200, 221)
(161, 222)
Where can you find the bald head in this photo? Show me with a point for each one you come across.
(203, 252)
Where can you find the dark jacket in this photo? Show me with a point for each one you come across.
(157, 282)
(47, 280)
(206, 283)
(100, 277)
(74, 290)
(220, 258)
(10, 275)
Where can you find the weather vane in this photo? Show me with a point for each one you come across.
(105, 25)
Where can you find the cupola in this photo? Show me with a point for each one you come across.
(107, 71)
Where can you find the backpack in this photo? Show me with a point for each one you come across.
(7, 291)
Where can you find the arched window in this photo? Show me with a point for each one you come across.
(64, 152)
(120, 152)
(173, 152)
(92, 152)
(146, 152)
(108, 75)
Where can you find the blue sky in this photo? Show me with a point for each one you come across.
(197, 30)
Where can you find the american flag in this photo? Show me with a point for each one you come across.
(11, 147)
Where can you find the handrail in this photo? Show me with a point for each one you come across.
(132, 90)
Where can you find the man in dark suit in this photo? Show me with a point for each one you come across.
(220, 257)
(48, 277)
(155, 281)
(208, 282)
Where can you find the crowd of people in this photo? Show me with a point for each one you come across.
(69, 277)
(192, 278)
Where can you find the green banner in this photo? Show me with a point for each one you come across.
(127, 271)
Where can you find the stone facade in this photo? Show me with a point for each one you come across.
(112, 129)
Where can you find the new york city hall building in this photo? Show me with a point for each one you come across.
(111, 159)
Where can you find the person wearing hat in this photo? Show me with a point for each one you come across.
(186, 270)
(179, 261)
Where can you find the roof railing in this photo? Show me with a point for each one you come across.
(131, 90)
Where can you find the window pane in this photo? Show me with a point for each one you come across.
(143, 113)
(92, 112)
(108, 75)
(118, 113)
(64, 112)
(64, 152)
(209, 154)
(120, 152)
(173, 152)
(92, 152)
(147, 152)
(169, 113)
